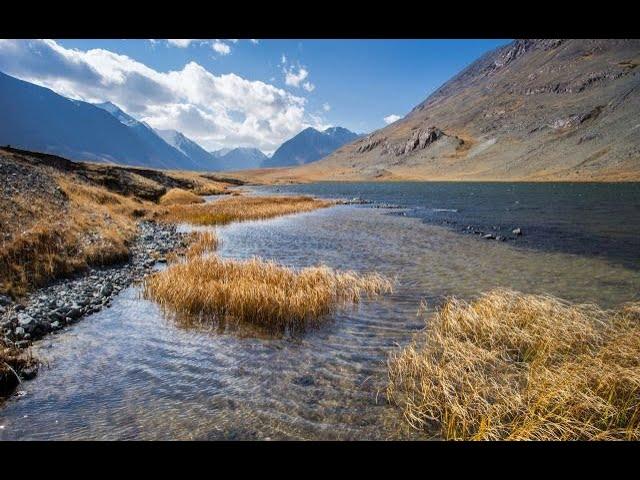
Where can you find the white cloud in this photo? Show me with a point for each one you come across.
(217, 111)
(255, 41)
(221, 48)
(293, 78)
(391, 118)
(283, 59)
(326, 107)
(180, 42)
(308, 86)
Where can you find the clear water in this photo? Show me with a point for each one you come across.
(128, 372)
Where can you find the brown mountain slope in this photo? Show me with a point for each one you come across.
(531, 110)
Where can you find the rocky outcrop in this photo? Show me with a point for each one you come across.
(575, 119)
(420, 139)
(369, 143)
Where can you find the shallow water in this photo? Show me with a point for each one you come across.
(129, 372)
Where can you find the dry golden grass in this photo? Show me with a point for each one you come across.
(201, 243)
(95, 228)
(241, 208)
(262, 293)
(515, 366)
(178, 196)
(200, 184)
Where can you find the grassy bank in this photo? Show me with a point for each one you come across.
(514, 366)
(262, 293)
(59, 217)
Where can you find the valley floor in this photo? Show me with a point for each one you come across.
(505, 365)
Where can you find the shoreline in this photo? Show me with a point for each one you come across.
(66, 301)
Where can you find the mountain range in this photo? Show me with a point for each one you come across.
(530, 110)
(308, 146)
(239, 158)
(37, 118)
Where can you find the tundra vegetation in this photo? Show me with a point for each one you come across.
(262, 293)
(241, 208)
(522, 367)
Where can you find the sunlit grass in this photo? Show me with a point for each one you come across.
(514, 366)
(178, 196)
(242, 208)
(95, 228)
(259, 292)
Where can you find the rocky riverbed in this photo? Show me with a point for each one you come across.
(66, 301)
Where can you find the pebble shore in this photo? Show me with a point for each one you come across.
(66, 301)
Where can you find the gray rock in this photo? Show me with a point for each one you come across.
(489, 236)
(106, 289)
(19, 331)
(25, 320)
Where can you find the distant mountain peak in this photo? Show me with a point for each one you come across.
(309, 145)
(239, 158)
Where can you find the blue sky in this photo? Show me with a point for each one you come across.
(276, 86)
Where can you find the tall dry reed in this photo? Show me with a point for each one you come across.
(263, 293)
(241, 208)
(515, 366)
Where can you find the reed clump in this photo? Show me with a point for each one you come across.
(522, 367)
(263, 293)
(201, 243)
(178, 196)
(241, 208)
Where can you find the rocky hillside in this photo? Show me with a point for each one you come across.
(531, 110)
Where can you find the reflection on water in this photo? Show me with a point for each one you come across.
(129, 372)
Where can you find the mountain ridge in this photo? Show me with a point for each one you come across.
(530, 110)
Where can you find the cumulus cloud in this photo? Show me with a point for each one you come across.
(180, 42)
(221, 47)
(391, 118)
(293, 78)
(283, 59)
(326, 107)
(215, 110)
(308, 86)
(255, 41)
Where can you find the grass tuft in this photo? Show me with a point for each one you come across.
(262, 293)
(518, 367)
(241, 208)
(178, 196)
(201, 243)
